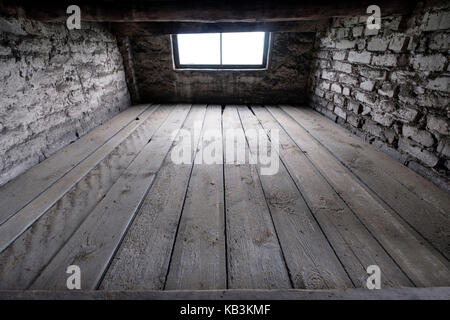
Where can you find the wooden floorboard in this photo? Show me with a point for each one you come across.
(403, 191)
(423, 265)
(199, 258)
(255, 259)
(435, 293)
(311, 261)
(94, 243)
(19, 192)
(142, 260)
(123, 209)
(22, 261)
(353, 243)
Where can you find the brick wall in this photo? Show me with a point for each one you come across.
(285, 80)
(390, 86)
(56, 85)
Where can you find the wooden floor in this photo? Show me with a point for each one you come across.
(117, 204)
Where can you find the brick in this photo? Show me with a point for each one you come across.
(373, 128)
(348, 79)
(322, 54)
(336, 88)
(385, 119)
(340, 33)
(428, 158)
(439, 41)
(365, 98)
(339, 55)
(357, 31)
(385, 60)
(399, 43)
(372, 74)
(386, 106)
(371, 32)
(406, 114)
(328, 75)
(433, 62)
(354, 106)
(438, 124)
(343, 67)
(341, 113)
(339, 100)
(444, 147)
(387, 90)
(439, 84)
(436, 21)
(356, 57)
(391, 23)
(353, 120)
(421, 136)
(345, 44)
(377, 44)
(367, 85)
(319, 92)
(324, 85)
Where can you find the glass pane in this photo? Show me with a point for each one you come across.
(242, 48)
(200, 48)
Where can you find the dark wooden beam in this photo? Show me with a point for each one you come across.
(203, 11)
(149, 28)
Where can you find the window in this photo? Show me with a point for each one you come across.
(234, 50)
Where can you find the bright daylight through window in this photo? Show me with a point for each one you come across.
(237, 50)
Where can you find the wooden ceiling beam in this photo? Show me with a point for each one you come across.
(203, 11)
(150, 28)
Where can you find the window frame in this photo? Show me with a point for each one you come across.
(217, 67)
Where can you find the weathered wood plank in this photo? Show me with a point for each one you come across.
(355, 246)
(426, 212)
(151, 28)
(255, 259)
(310, 259)
(23, 219)
(204, 11)
(19, 192)
(142, 261)
(422, 263)
(422, 204)
(93, 244)
(198, 259)
(433, 293)
(22, 261)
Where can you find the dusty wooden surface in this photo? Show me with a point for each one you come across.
(133, 219)
(439, 293)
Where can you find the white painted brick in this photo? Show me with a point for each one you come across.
(440, 84)
(363, 57)
(336, 88)
(423, 155)
(421, 136)
(365, 98)
(436, 21)
(438, 124)
(385, 60)
(433, 62)
(328, 75)
(399, 43)
(367, 85)
(377, 44)
(341, 113)
(345, 44)
(339, 55)
(343, 67)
